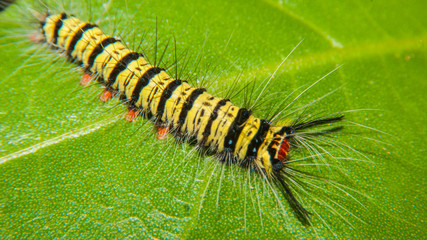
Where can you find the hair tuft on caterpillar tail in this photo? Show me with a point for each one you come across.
(301, 213)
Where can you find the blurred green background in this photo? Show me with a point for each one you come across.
(71, 168)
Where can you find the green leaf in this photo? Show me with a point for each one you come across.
(71, 167)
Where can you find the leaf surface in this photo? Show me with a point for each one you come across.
(72, 168)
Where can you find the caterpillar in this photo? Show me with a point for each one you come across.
(190, 114)
(233, 134)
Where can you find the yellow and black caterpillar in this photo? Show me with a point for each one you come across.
(189, 113)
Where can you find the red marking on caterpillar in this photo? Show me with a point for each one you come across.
(283, 151)
(106, 95)
(131, 115)
(162, 133)
(36, 38)
(86, 79)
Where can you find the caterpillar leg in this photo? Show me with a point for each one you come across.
(36, 37)
(162, 132)
(106, 95)
(86, 79)
(132, 114)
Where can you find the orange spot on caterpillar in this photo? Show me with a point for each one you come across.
(86, 79)
(36, 38)
(131, 115)
(106, 95)
(162, 133)
(283, 151)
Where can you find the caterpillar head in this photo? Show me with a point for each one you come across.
(274, 151)
(282, 139)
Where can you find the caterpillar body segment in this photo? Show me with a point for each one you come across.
(175, 106)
